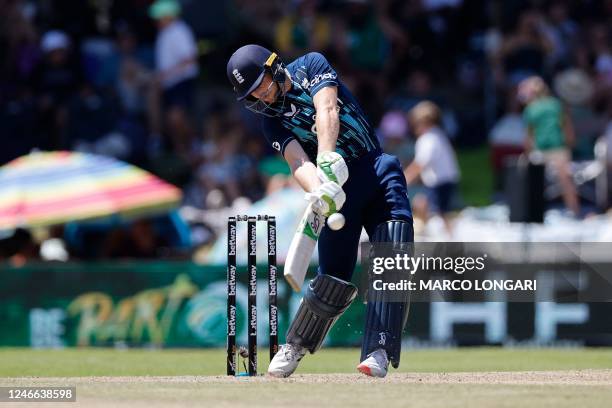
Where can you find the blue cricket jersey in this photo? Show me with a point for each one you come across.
(309, 74)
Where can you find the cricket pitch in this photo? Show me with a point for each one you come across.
(429, 378)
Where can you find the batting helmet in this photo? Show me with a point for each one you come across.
(246, 69)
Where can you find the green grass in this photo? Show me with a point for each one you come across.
(134, 390)
(476, 184)
(19, 362)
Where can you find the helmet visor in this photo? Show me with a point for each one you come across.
(271, 102)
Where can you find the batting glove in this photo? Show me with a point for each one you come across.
(327, 199)
(332, 167)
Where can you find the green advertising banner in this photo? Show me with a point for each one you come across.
(183, 304)
(165, 304)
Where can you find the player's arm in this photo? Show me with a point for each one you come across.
(303, 170)
(330, 164)
(327, 120)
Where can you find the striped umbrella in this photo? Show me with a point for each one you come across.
(48, 188)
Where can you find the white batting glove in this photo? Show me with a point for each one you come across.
(332, 167)
(327, 199)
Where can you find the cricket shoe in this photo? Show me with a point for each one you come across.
(375, 364)
(286, 360)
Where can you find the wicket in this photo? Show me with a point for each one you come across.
(252, 290)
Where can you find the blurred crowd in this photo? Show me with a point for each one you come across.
(144, 81)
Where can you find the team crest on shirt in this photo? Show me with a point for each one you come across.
(294, 111)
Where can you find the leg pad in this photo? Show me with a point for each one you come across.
(325, 300)
(385, 320)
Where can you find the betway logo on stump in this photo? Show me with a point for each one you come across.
(253, 281)
(273, 320)
(252, 240)
(272, 240)
(232, 321)
(272, 280)
(232, 240)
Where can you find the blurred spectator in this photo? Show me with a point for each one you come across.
(176, 162)
(181, 134)
(303, 29)
(90, 117)
(393, 132)
(434, 162)
(139, 240)
(58, 75)
(55, 80)
(507, 138)
(418, 31)
(561, 31)
(175, 54)
(220, 169)
(19, 248)
(551, 133)
(524, 51)
(176, 65)
(601, 45)
(129, 72)
(361, 42)
(362, 49)
(419, 87)
(575, 88)
(53, 246)
(19, 50)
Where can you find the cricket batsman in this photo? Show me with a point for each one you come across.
(312, 119)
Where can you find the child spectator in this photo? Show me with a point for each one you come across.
(434, 162)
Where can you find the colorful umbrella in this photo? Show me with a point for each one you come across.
(47, 188)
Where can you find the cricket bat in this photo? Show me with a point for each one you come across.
(302, 247)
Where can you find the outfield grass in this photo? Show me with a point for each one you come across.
(20, 362)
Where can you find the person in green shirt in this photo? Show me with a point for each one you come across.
(550, 132)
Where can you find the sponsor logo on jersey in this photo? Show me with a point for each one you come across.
(318, 78)
(238, 76)
(276, 145)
